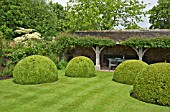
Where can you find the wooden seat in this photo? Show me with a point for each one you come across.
(113, 63)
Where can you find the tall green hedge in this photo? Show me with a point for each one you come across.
(127, 71)
(153, 84)
(1, 53)
(1, 38)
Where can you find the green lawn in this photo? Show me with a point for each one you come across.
(98, 94)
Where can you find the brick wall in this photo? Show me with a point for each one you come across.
(157, 55)
(85, 51)
(151, 56)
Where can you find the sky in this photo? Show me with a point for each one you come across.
(144, 24)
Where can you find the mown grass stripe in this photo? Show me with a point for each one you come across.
(98, 94)
(52, 99)
(83, 96)
(69, 96)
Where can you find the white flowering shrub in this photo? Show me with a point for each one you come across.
(30, 43)
(27, 35)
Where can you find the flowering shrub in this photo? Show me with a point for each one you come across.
(27, 35)
(26, 45)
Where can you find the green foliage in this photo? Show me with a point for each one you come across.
(1, 46)
(80, 67)
(143, 42)
(127, 71)
(161, 42)
(5, 66)
(1, 51)
(12, 55)
(89, 41)
(137, 42)
(160, 15)
(8, 69)
(29, 44)
(62, 64)
(53, 57)
(103, 14)
(36, 14)
(60, 13)
(63, 42)
(66, 42)
(153, 84)
(35, 69)
(28, 48)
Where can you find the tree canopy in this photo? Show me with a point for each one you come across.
(160, 15)
(60, 13)
(104, 14)
(49, 18)
(35, 14)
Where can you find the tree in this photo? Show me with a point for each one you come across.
(11, 16)
(104, 14)
(60, 13)
(41, 17)
(34, 14)
(160, 15)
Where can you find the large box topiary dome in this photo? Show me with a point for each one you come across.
(153, 84)
(35, 69)
(80, 66)
(127, 71)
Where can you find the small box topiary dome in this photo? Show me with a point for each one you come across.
(153, 84)
(80, 67)
(35, 69)
(126, 72)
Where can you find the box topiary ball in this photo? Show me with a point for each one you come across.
(126, 72)
(80, 67)
(153, 84)
(35, 69)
